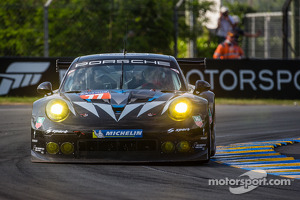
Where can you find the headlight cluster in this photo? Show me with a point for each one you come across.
(180, 109)
(57, 110)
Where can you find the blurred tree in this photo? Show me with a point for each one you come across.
(101, 26)
(21, 28)
(149, 25)
(79, 27)
(259, 5)
(240, 9)
(204, 47)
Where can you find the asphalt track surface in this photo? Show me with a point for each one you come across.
(21, 179)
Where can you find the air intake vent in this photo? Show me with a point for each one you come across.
(118, 108)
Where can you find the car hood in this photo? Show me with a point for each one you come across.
(119, 105)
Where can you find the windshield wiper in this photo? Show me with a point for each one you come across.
(168, 90)
(171, 91)
(121, 80)
(74, 91)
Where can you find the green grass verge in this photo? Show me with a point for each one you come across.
(224, 101)
(219, 101)
(17, 100)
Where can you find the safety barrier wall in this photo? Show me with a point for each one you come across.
(277, 79)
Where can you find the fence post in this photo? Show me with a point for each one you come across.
(295, 28)
(253, 39)
(46, 29)
(267, 37)
(285, 28)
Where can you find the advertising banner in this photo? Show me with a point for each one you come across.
(276, 79)
(21, 76)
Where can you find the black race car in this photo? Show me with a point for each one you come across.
(124, 108)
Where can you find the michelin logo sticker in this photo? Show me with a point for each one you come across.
(127, 133)
(98, 134)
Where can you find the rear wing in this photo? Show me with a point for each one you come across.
(194, 62)
(63, 64)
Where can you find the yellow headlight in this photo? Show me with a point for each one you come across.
(168, 147)
(67, 148)
(180, 109)
(52, 148)
(57, 110)
(183, 146)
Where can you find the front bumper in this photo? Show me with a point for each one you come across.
(110, 150)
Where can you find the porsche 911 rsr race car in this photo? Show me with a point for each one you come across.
(123, 108)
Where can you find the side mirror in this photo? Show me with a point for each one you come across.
(45, 88)
(201, 86)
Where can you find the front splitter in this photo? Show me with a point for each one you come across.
(123, 157)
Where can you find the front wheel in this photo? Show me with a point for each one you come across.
(209, 140)
(213, 132)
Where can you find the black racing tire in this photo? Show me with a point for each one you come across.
(213, 133)
(208, 144)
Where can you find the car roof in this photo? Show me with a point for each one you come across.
(126, 56)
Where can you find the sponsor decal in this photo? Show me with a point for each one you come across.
(84, 115)
(39, 122)
(173, 130)
(93, 92)
(104, 62)
(39, 149)
(96, 96)
(210, 116)
(56, 131)
(98, 134)
(151, 114)
(123, 133)
(198, 121)
(199, 146)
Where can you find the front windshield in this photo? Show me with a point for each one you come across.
(103, 77)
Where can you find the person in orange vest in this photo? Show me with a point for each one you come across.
(229, 49)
